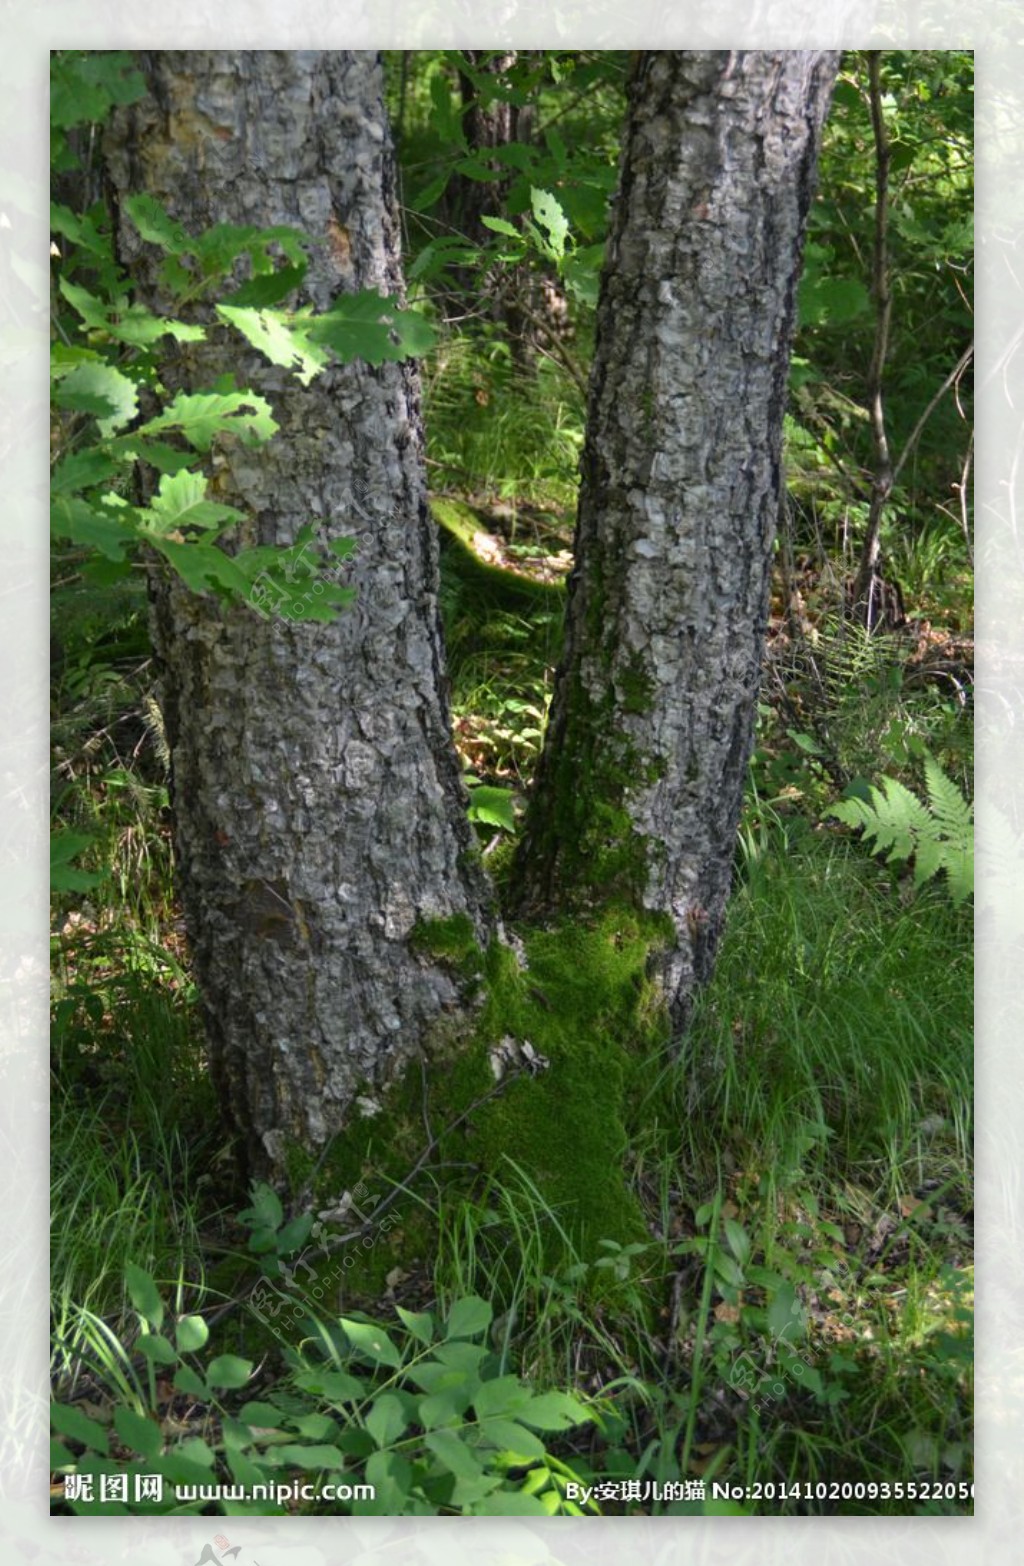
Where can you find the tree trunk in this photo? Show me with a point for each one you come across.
(641, 781)
(319, 813)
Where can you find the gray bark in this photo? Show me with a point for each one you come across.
(319, 813)
(641, 781)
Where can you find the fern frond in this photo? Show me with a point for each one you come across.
(938, 836)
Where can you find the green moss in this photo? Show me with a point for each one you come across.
(461, 527)
(585, 1004)
(452, 941)
(635, 686)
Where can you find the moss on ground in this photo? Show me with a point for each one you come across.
(585, 1005)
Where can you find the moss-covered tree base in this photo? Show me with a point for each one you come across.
(570, 1020)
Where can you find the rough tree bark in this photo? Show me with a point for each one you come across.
(319, 814)
(641, 780)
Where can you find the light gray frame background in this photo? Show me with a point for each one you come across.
(995, 29)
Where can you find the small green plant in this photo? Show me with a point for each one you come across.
(938, 834)
(421, 1421)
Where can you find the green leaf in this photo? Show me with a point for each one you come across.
(785, 1317)
(831, 301)
(201, 416)
(420, 1323)
(310, 1458)
(391, 1477)
(367, 326)
(266, 1211)
(260, 292)
(282, 339)
(453, 1454)
(337, 1386)
(548, 212)
(493, 806)
(739, 1240)
(504, 1395)
(386, 1419)
(144, 1295)
(157, 1349)
(468, 1317)
(501, 226)
(228, 1371)
(509, 1436)
(191, 1333)
(90, 526)
(92, 465)
(73, 1423)
(101, 390)
(140, 1434)
(86, 84)
(203, 567)
(65, 846)
(264, 1415)
(186, 1380)
(726, 1268)
(180, 502)
(447, 1405)
(60, 1456)
(372, 1341)
(155, 224)
(511, 1503)
(554, 1411)
(127, 323)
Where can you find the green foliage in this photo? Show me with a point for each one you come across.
(415, 1421)
(104, 353)
(938, 835)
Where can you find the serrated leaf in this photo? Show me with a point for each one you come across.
(265, 1209)
(90, 526)
(367, 326)
(127, 323)
(270, 289)
(203, 568)
(280, 338)
(155, 224)
(493, 806)
(101, 390)
(180, 502)
(82, 470)
(201, 416)
(548, 212)
(228, 1371)
(144, 1295)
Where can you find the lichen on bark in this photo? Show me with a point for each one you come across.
(319, 812)
(641, 779)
